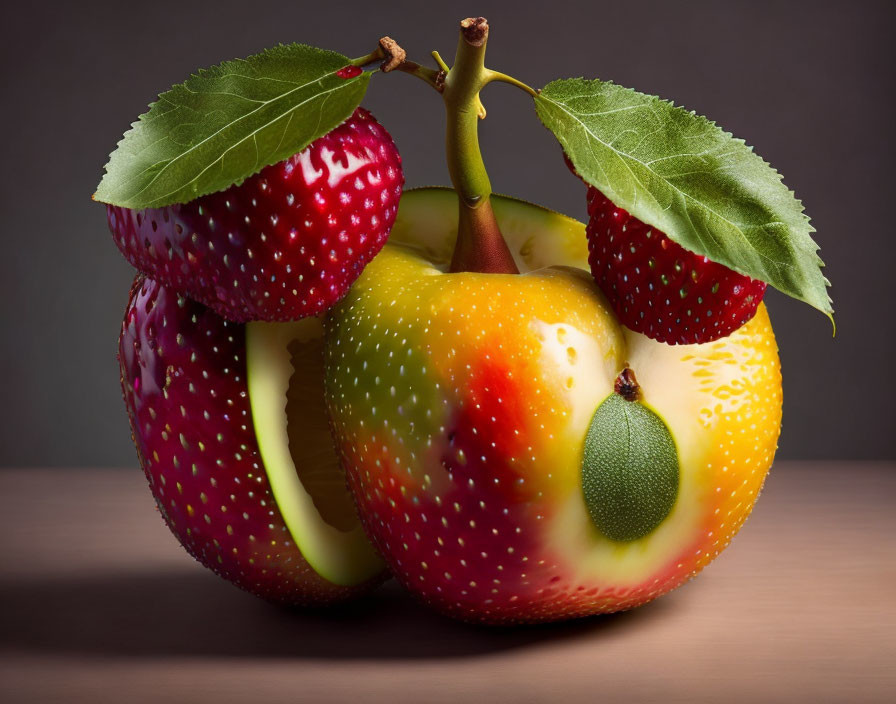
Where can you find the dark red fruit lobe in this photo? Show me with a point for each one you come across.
(286, 243)
(657, 287)
(183, 375)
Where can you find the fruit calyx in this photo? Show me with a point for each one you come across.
(627, 386)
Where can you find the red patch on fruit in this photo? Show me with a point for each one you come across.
(349, 72)
(457, 541)
(286, 243)
(657, 287)
(493, 409)
(466, 527)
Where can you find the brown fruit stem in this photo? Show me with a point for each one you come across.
(392, 57)
(627, 385)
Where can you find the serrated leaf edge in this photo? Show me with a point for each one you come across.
(712, 124)
(147, 116)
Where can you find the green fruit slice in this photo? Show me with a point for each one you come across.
(286, 393)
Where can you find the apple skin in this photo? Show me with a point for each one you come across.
(460, 404)
(183, 376)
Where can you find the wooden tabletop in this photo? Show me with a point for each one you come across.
(98, 603)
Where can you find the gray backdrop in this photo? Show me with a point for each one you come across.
(809, 84)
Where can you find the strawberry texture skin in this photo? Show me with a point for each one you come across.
(460, 405)
(284, 244)
(183, 377)
(657, 287)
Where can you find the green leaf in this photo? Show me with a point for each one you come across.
(680, 173)
(630, 469)
(228, 122)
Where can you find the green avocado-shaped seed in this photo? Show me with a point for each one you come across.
(630, 469)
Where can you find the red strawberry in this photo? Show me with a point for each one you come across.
(657, 287)
(184, 379)
(287, 242)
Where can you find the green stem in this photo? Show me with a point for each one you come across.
(480, 246)
(504, 78)
(440, 61)
(429, 75)
(376, 55)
